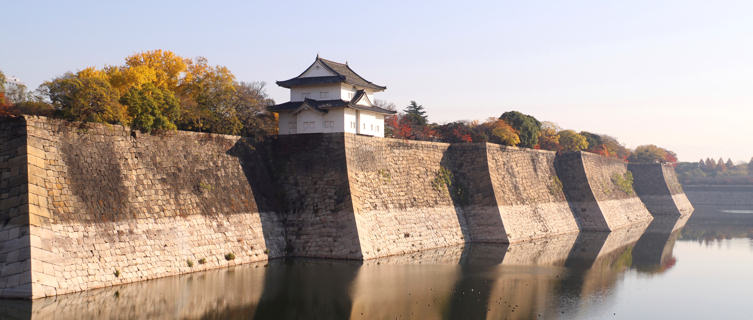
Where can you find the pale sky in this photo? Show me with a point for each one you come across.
(673, 73)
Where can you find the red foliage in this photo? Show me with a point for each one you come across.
(6, 109)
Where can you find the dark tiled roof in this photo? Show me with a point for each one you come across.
(343, 74)
(324, 105)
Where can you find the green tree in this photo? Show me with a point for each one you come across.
(416, 114)
(594, 140)
(151, 108)
(528, 127)
(648, 154)
(572, 141)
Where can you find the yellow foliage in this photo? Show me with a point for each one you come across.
(168, 67)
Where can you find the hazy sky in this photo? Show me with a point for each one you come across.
(678, 74)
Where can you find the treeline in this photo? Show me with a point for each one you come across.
(514, 128)
(717, 172)
(152, 91)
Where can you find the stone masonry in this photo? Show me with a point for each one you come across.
(106, 206)
(93, 205)
(657, 186)
(597, 192)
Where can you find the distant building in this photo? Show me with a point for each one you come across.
(330, 97)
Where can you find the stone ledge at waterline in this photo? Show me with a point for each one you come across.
(93, 205)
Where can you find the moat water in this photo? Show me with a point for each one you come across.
(701, 268)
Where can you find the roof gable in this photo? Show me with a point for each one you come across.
(317, 69)
(361, 98)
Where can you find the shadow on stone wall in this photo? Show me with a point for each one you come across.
(257, 167)
(471, 193)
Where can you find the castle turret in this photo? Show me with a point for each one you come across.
(330, 97)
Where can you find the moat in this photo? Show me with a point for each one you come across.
(701, 270)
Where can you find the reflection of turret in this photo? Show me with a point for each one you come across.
(213, 294)
(653, 251)
(305, 288)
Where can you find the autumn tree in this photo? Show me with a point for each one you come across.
(648, 154)
(549, 138)
(572, 141)
(527, 127)
(86, 96)
(720, 165)
(458, 131)
(500, 132)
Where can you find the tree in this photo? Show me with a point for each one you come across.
(208, 98)
(151, 108)
(499, 131)
(163, 68)
(594, 140)
(251, 108)
(549, 138)
(729, 163)
(750, 167)
(572, 141)
(527, 127)
(457, 131)
(85, 96)
(720, 166)
(648, 154)
(416, 114)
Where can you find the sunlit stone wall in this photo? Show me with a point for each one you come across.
(596, 190)
(529, 193)
(107, 206)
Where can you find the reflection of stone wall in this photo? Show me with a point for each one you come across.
(657, 186)
(107, 207)
(598, 202)
(210, 294)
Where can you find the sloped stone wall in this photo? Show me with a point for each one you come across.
(596, 197)
(115, 207)
(528, 193)
(315, 198)
(657, 186)
(400, 202)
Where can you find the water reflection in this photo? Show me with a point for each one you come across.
(546, 278)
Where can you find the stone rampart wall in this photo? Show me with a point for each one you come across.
(116, 207)
(657, 186)
(597, 192)
(528, 193)
(15, 241)
(401, 202)
(312, 178)
(92, 205)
